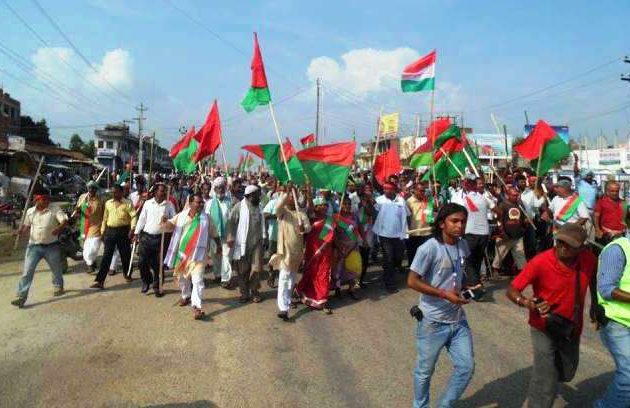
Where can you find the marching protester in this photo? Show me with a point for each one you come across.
(292, 225)
(421, 207)
(532, 199)
(437, 272)
(90, 208)
(391, 228)
(610, 215)
(246, 234)
(559, 278)
(119, 220)
(148, 235)
(348, 239)
(45, 225)
(218, 208)
(567, 206)
(613, 296)
(586, 186)
(188, 251)
(513, 226)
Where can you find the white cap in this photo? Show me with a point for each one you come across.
(250, 189)
(219, 182)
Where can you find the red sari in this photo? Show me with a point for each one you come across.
(314, 286)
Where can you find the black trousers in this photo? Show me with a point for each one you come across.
(115, 237)
(365, 259)
(413, 243)
(477, 245)
(529, 242)
(393, 250)
(149, 258)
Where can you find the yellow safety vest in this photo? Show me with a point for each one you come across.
(614, 309)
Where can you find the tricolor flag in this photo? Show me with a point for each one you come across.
(419, 75)
(308, 141)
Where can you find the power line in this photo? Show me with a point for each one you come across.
(76, 49)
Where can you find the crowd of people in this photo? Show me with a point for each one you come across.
(314, 242)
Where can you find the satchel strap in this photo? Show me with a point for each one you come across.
(576, 300)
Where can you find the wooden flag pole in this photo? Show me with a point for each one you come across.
(452, 163)
(28, 199)
(284, 159)
(432, 137)
(471, 162)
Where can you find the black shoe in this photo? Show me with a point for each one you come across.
(19, 302)
(145, 288)
(158, 294)
(391, 289)
(284, 316)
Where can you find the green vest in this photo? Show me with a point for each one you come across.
(614, 309)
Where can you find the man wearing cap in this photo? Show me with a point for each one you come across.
(567, 206)
(613, 296)
(218, 208)
(586, 186)
(559, 278)
(148, 233)
(45, 224)
(245, 235)
(90, 210)
(391, 227)
(119, 221)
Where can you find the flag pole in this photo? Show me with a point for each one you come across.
(432, 136)
(284, 158)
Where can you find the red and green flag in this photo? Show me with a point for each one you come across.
(328, 230)
(258, 93)
(328, 166)
(422, 156)
(183, 152)
(347, 227)
(543, 145)
(188, 244)
(271, 154)
(86, 213)
(308, 141)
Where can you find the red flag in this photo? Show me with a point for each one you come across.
(209, 136)
(259, 78)
(450, 146)
(387, 164)
(308, 141)
(530, 147)
(437, 127)
(183, 142)
(289, 151)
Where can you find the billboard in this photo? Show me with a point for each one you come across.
(562, 131)
(488, 145)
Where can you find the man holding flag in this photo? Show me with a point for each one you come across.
(90, 208)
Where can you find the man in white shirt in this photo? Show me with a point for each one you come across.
(532, 200)
(567, 206)
(148, 233)
(218, 209)
(391, 228)
(45, 225)
(477, 233)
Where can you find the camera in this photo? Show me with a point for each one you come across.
(416, 312)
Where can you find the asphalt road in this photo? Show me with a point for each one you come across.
(119, 348)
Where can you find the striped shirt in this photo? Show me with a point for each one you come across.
(612, 265)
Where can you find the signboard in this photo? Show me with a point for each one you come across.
(389, 125)
(609, 157)
(491, 144)
(562, 131)
(16, 143)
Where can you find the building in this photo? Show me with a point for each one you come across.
(116, 145)
(9, 115)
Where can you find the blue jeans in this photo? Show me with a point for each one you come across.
(616, 338)
(34, 253)
(431, 337)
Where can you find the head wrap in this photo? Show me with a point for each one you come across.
(250, 189)
(219, 182)
(389, 186)
(319, 201)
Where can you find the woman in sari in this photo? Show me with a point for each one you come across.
(348, 237)
(314, 286)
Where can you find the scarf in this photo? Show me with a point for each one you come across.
(216, 213)
(86, 213)
(472, 207)
(347, 227)
(189, 246)
(426, 215)
(569, 208)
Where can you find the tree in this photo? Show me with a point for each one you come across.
(76, 143)
(35, 131)
(89, 149)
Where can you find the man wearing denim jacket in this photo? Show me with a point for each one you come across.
(437, 272)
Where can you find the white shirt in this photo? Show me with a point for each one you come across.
(391, 221)
(151, 216)
(477, 222)
(558, 203)
(43, 223)
(531, 203)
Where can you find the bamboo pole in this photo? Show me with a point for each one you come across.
(28, 199)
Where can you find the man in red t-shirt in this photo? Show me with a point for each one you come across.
(552, 275)
(610, 215)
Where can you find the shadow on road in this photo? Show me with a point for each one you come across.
(511, 391)
(194, 404)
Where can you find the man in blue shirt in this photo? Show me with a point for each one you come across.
(437, 272)
(585, 186)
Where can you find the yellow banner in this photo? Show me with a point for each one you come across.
(389, 124)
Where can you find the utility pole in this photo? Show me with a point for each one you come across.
(140, 120)
(317, 113)
(626, 77)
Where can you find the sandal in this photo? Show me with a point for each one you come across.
(256, 299)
